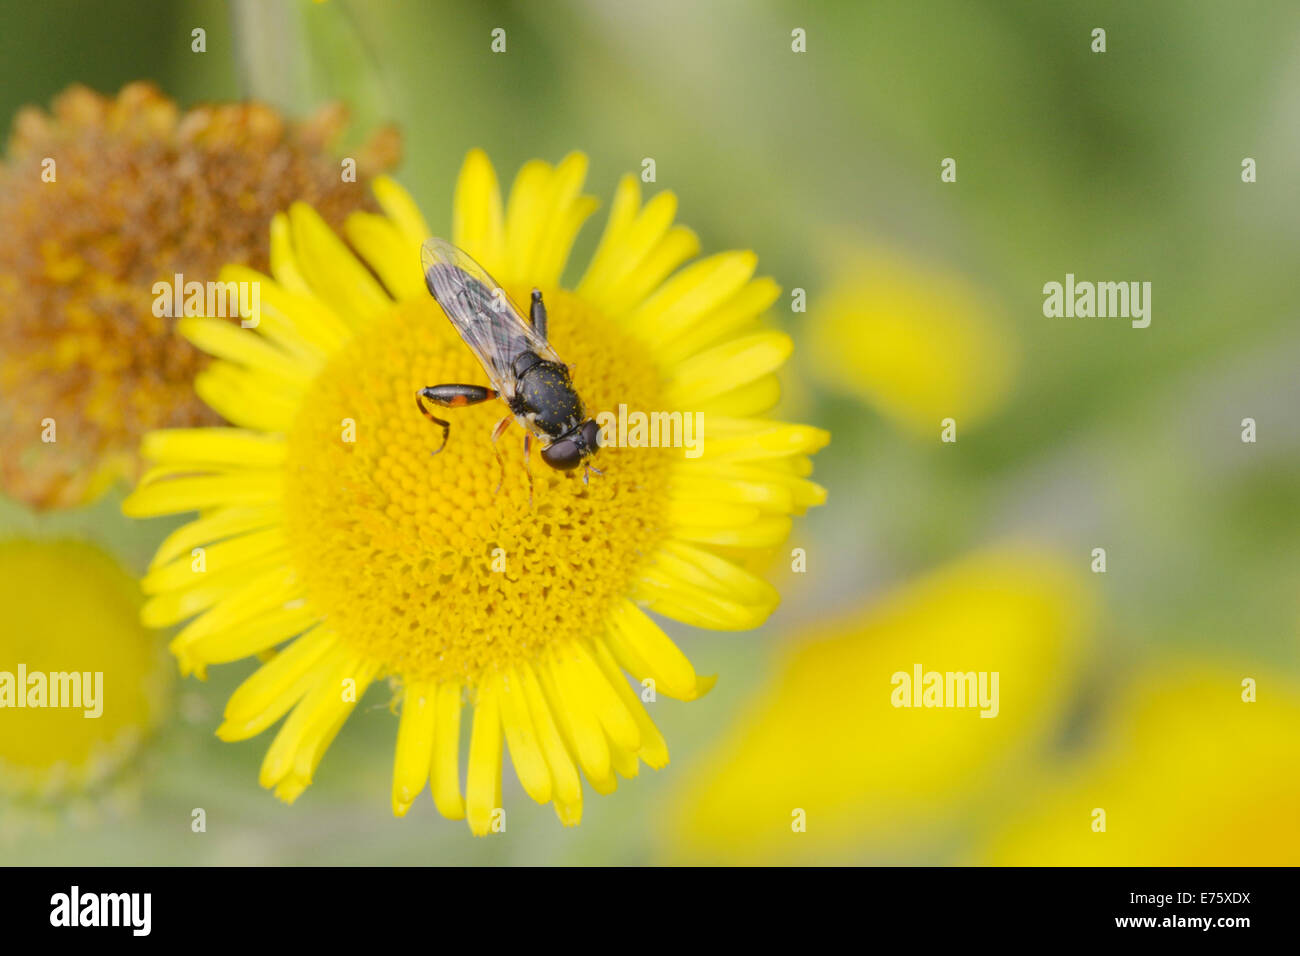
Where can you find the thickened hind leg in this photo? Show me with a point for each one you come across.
(451, 396)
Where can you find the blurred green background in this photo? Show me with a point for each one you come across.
(1115, 166)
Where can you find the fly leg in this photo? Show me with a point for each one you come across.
(451, 396)
(497, 433)
(528, 470)
(537, 313)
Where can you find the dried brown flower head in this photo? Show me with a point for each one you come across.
(141, 191)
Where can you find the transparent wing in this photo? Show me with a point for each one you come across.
(486, 318)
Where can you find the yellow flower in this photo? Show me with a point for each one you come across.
(917, 343)
(377, 559)
(98, 201)
(69, 609)
(1188, 774)
(824, 766)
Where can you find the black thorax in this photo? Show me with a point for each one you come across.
(544, 392)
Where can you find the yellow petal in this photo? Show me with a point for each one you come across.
(312, 720)
(698, 568)
(445, 769)
(266, 695)
(761, 484)
(414, 751)
(623, 761)
(525, 749)
(214, 526)
(386, 250)
(763, 531)
(677, 245)
(601, 697)
(478, 224)
(270, 321)
(257, 594)
(639, 248)
(622, 212)
(207, 491)
(622, 251)
(645, 651)
(741, 439)
(752, 398)
(317, 740)
(284, 260)
(579, 724)
(332, 270)
(167, 609)
(724, 367)
(483, 788)
(553, 254)
(223, 556)
(654, 749)
(692, 294)
(246, 347)
(299, 321)
(564, 774)
(568, 211)
(248, 638)
(734, 316)
(214, 446)
(247, 399)
(773, 496)
(526, 214)
(401, 208)
(697, 606)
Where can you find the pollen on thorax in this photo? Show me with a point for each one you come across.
(417, 558)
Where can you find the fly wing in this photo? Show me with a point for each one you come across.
(486, 318)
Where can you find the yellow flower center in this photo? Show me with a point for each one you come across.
(415, 558)
(92, 679)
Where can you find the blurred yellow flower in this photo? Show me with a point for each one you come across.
(379, 559)
(823, 746)
(917, 343)
(69, 610)
(1188, 774)
(99, 200)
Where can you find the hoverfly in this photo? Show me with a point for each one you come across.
(524, 370)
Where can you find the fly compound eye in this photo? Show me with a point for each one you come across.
(591, 436)
(564, 455)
